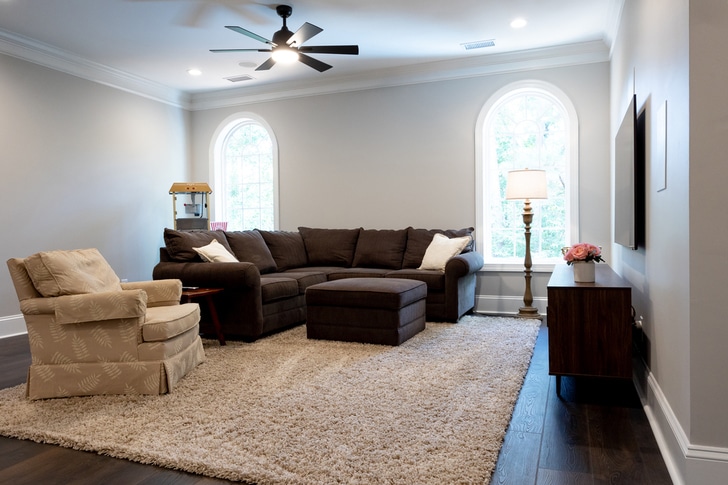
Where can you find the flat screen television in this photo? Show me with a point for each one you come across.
(629, 179)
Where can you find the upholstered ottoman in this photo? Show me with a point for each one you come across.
(385, 311)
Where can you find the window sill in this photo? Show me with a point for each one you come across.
(517, 267)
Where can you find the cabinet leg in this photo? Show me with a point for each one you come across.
(558, 386)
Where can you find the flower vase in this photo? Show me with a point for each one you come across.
(584, 271)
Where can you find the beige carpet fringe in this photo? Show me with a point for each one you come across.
(287, 410)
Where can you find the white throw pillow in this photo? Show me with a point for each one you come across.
(441, 249)
(215, 253)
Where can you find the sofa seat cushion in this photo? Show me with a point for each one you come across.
(435, 279)
(326, 270)
(249, 246)
(342, 273)
(392, 294)
(329, 247)
(272, 288)
(165, 322)
(303, 278)
(164, 349)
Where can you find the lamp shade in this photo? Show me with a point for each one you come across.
(526, 184)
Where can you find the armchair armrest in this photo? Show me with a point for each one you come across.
(95, 307)
(159, 292)
(464, 264)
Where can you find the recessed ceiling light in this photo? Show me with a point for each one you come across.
(518, 23)
(194, 72)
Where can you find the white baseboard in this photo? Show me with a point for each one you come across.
(687, 463)
(505, 305)
(12, 325)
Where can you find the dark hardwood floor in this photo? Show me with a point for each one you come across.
(596, 433)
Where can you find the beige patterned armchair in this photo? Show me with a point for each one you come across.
(91, 334)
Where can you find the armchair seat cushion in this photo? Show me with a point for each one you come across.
(165, 322)
(164, 349)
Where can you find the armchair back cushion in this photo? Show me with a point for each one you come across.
(73, 272)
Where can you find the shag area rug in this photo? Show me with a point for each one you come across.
(288, 410)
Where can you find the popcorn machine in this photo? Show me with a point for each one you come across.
(190, 205)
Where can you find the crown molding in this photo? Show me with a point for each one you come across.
(30, 50)
(548, 57)
(472, 66)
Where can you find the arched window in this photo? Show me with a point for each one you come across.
(245, 174)
(526, 125)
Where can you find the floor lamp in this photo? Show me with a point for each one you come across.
(526, 185)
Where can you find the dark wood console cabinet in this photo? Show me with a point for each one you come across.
(589, 325)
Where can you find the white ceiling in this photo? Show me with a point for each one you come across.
(157, 41)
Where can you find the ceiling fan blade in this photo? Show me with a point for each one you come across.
(303, 34)
(266, 65)
(331, 49)
(315, 63)
(248, 33)
(240, 50)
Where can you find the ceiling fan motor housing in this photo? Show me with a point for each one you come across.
(284, 11)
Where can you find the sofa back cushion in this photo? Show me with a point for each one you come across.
(286, 247)
(418, 240)
(380, 248)
(329, 247)
(250, 246)
(180, 244)
(71, 272)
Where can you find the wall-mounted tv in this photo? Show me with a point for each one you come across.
(629, 179)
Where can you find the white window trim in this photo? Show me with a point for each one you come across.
(216, 154)
(482, 169)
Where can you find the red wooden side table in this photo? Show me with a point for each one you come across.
(189, 295)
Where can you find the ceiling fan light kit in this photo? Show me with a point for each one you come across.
(286, 47)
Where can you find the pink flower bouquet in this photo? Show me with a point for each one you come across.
(583, 252)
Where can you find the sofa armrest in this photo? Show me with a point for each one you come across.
(159, 292)
(96, 307)
(210, 275)
(464, 264)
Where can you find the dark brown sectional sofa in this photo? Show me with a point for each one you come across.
(265, 292)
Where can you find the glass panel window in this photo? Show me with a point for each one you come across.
(245, 175)
(526, 128)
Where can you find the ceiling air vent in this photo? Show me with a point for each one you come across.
(479, 44)
(237, 79)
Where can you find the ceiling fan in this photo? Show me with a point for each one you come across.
(286, 45)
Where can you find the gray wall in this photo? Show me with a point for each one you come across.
(400, 156)
(83, 165)
(666, 51)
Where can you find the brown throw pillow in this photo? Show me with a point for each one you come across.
(380, 248)
(286, 248)
(329, 247)
(180, 243)
(250, 246)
